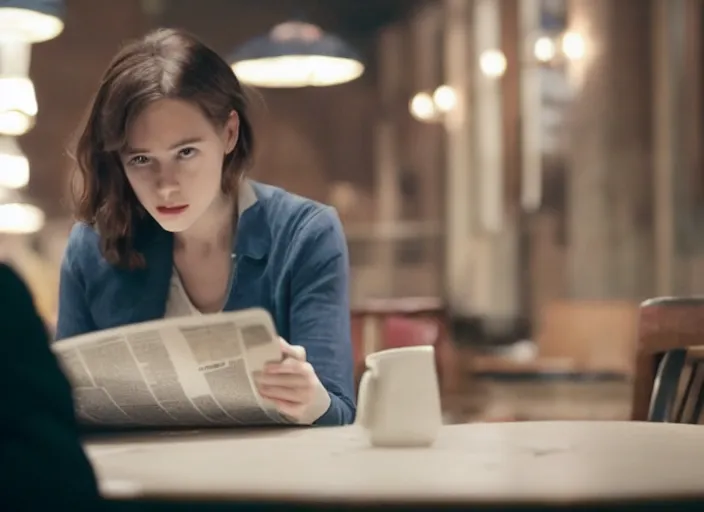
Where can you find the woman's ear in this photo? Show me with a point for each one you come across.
(232, 131)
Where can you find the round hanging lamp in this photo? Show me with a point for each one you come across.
(18, 106)
(32, 21)
(14, 166)
(18, 101)
(17, 215)
(296, 54)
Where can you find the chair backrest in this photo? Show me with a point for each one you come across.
(668, 377)
(401, 331)
(677, 391)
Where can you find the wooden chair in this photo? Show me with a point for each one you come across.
(669, 375)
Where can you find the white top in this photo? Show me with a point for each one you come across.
(495, 462)
(178, 303)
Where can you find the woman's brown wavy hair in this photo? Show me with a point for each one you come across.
(166, 63)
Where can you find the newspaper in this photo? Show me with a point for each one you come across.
(194, 371)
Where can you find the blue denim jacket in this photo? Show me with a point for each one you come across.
(291, 260)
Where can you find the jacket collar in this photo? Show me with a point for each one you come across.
(252, 238)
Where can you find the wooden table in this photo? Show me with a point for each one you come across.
(547, 463)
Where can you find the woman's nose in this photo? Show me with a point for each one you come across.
(167, 184)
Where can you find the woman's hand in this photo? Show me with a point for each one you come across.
(293, 387)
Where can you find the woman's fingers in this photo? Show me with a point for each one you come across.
(295, 351)
(293, 395)
(291, 380)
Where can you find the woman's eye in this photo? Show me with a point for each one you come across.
(187, 152)
(139, 160)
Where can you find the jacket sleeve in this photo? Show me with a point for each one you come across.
(74, 315)
(320, 311)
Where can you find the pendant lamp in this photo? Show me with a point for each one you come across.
(17, 215)
(18, 105)
(18, 101)
(14, 166)
(296, 54)
(32, 21)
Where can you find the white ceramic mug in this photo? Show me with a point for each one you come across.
(399, 397)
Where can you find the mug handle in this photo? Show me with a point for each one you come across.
(365, 400)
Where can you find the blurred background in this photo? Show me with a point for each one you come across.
(514, 176)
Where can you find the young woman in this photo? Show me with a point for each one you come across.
(169, 226)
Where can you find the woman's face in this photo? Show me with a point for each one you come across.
(173, 161)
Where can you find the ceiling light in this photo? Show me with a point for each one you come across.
(296, 54)
(14, 166)
(18, 105)
(32, 21)
(17, 216)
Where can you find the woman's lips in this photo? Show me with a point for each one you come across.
(171, 210)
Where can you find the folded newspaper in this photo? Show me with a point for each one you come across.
(193, 371)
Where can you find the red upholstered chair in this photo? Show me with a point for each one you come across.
(395, 323)
(401, 331)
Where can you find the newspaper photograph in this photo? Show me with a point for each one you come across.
(193, 371)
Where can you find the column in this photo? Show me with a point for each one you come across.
(482, 236)
(460, 209)
(663, 154)
(610, 162)
(677, 123)
(424, 146)
(387, 162)
(495, 248)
